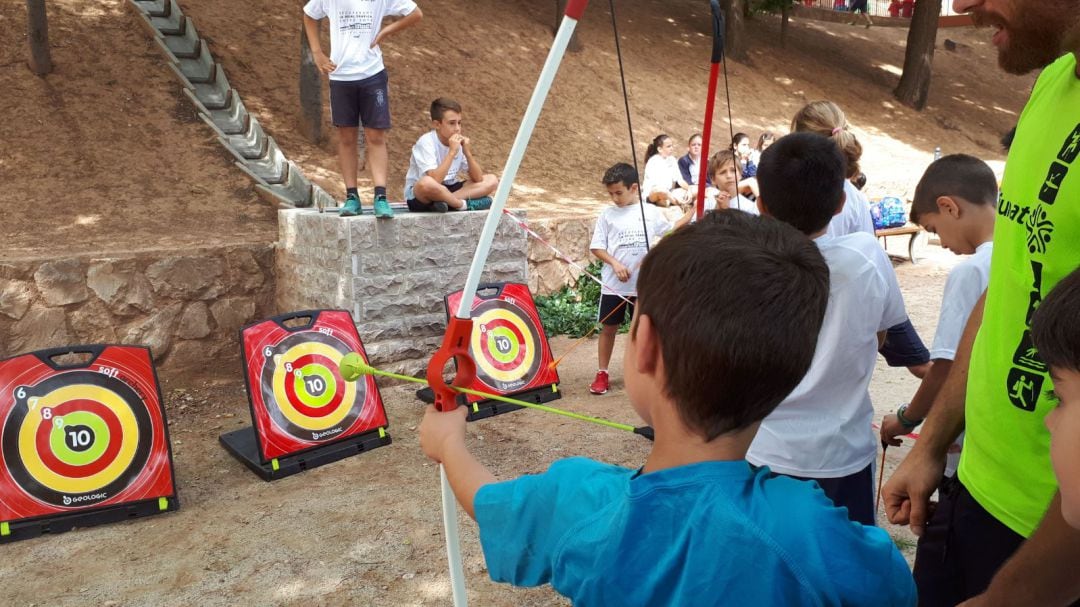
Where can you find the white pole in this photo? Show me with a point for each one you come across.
(521, 141)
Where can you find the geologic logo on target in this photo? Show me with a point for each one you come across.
(90, 497)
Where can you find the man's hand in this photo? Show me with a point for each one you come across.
(466, 143)
(621, 272)
(439, 430)
(378, 38)
(723, 200)
(323, 63)
(891, 428)
(907, 494)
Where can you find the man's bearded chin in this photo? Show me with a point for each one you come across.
(1041, 32)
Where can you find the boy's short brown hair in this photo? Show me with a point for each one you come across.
(1055, 326)
(719, 159)
(440, 106)
(957, 175)
(737, 301)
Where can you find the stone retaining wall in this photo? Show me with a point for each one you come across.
(186, 305)
(391, 275)
(571, 236)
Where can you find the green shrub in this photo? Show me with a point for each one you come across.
(572, 309)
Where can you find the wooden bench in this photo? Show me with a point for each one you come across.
(905, 230)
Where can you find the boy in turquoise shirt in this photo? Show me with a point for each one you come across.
(728, 314)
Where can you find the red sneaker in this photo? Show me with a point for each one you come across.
(600, 384)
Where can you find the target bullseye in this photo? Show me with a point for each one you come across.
(506, 345)
(299, 401)
(76, 443)
(307, 389)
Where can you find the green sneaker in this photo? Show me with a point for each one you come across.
(351, 208)
(478, 204)
(382, 208)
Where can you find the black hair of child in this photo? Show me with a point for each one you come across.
(737, 301)
(956, 175)
(621, 173)
(1055, 327)
(801, 180)
(440, 106)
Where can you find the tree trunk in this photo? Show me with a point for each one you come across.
(310, 93)
(785, 18)
(37, 34)
(575, 45)
(735, 43)
(914, 87)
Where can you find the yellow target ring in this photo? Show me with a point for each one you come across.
(282, 375)
(129, 439)
(478, 336)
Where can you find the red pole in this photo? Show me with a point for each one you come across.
(706, 133)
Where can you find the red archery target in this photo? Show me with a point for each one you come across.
(508, 342)
(298, 398)
(76, 439)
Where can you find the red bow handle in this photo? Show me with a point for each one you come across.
(455, 345)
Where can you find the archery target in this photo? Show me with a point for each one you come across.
(299, 399)
(79, 438)
(508, 344)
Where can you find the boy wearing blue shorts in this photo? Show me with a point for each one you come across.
(359, 86)
(727, 316)
(822, 431)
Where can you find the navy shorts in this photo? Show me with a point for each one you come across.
(903, 347)
(361, 102)
(418, 206)
(613, 309)
(859, 6)
(854, 492)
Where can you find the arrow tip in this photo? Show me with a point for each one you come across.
(352, 367)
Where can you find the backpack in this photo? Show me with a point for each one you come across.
(888, 213)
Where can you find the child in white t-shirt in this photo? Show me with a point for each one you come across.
(663, 183)
(359, 85)
(822, 431)
(724, 175)
(621, 239)
(443, 173)
(955, 199)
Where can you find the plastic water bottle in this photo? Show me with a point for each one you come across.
(937, 153)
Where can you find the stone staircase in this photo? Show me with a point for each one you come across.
(277, 179)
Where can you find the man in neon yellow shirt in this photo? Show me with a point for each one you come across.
(998, 536)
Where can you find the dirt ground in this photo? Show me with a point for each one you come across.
(362, 531)
(106, 154)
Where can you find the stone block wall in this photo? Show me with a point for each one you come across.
(187, 305)
(391, 275)
(571, 236)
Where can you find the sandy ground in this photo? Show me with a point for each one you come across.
(362, 531)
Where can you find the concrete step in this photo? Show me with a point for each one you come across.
(154, 8)
(200, 69)
(213, 95)
(183, 46)
(272, 169)
(296, 192)
(172, 23)
(251, 145)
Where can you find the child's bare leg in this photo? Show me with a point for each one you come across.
(485, 187)
(375, 144)
(427, 191)
(606, 345)
(347, 155)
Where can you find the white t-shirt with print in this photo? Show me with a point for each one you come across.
(855, 217)
(353, 26)
(740, 202)
(823, 428)
(965, 285)
(427, 154)
(620, 232)
(660, 174)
